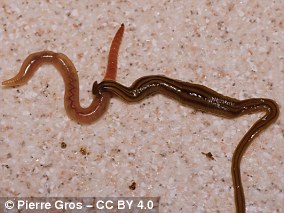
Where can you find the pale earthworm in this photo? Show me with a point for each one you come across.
(68, 71)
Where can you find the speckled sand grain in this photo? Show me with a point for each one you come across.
(236, 49)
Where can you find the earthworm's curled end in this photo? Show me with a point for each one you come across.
(29, 67)
(15, 81)
(7, 83)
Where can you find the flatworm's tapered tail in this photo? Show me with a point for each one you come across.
(271, 110)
